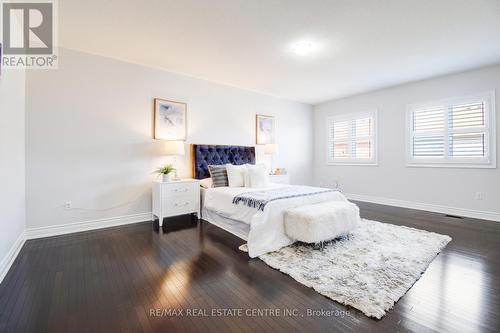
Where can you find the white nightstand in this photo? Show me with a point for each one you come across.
(279, 179)
(176, 198)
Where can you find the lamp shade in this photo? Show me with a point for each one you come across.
(174, 148)
(270, 149)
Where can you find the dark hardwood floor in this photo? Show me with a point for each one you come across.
(125, 279)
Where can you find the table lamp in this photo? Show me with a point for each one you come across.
(174, 148)
(271, 149)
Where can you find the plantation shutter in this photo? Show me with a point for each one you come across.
(452, 133)
(467, 130)
(428, 129)
(350, 140)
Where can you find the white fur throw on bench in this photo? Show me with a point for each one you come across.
(322, 221)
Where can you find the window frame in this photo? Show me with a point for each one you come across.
(349, 117)
(489, 161)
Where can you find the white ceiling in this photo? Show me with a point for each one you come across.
(362, 45)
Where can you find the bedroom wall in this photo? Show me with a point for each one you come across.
(89, 134)
(391, 181)
(12, 190)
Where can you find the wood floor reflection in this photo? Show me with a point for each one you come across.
(126, 279)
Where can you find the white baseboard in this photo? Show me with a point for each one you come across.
(69, 228)
(61, 229)
(9, 258)
(476, 214)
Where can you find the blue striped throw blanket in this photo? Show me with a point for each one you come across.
(259, 199)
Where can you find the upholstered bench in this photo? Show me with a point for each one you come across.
(322, 221)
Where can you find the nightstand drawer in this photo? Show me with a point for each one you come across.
(181, 203)
(178, 189)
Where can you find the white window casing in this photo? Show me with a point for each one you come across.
(456, 132)
(352, 139)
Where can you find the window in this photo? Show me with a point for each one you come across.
(351, 139)
(457, 132)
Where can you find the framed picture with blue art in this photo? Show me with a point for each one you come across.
(170, 120)
(265, 128)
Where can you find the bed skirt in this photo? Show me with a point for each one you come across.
(237, 228)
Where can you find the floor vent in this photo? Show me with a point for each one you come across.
(454, 216)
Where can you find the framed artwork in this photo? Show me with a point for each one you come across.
(265, 127)
(170, 120)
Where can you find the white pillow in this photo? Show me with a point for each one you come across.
(257, 176)
(206, 183)
(236, 175)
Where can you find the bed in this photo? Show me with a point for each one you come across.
(261, 226)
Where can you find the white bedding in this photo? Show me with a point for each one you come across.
(267, 232)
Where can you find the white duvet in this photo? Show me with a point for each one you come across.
(267, 231)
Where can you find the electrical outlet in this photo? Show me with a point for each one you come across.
(479, 195)
(68, 205)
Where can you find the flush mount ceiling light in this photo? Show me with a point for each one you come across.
(303, 48)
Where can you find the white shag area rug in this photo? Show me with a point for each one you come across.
(370, 270)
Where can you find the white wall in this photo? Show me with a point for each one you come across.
(12, 186)
(89, 134)
(391, 179)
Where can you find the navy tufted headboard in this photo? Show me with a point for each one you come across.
(205, 155)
